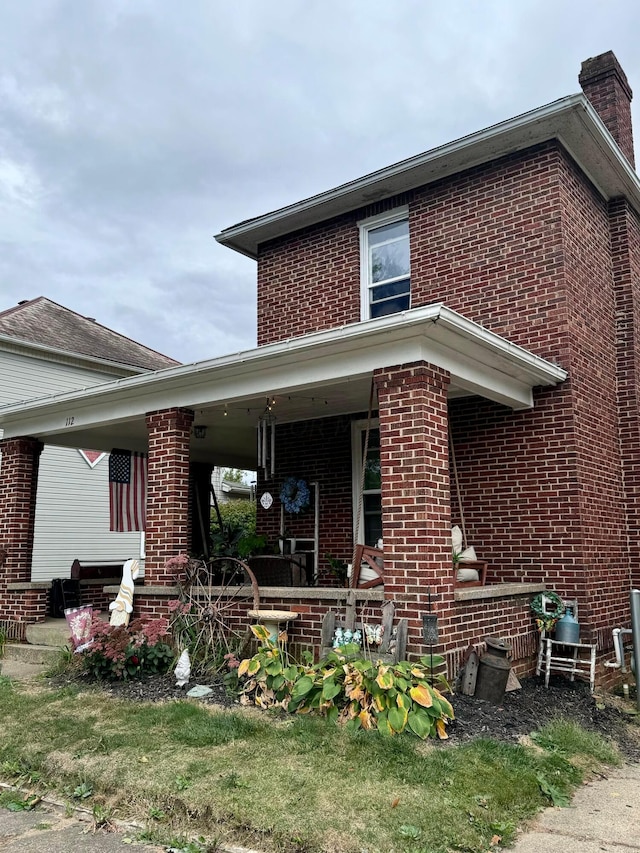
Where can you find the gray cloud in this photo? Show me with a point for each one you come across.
(131, 133)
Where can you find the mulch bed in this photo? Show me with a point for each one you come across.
(520, 713)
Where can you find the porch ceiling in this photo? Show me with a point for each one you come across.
(318, 375)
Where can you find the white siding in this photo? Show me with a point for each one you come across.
(23, 378)
(72, 512)
(72, 516)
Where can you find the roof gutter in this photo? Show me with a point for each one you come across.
(434, 331)
(571, 120)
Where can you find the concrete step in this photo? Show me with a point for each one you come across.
(51, 632)
(31, 653)
(21, 671)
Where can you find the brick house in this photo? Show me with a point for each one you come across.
(489, 292)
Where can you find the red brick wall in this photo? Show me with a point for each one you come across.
(315, 451)
(310, 281)
(18, 485)
(598, 532)
(523, 247)
(168, 509)
(625, 238)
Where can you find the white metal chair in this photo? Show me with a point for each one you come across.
(576, 659)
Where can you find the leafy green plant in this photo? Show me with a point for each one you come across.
(3, 641)
(118, 652)
(182, 782)
(557, 796)
(338, 568)
(270, 680)
(65, 661)
(82, 791)
(233, 530)
(102, 816)
(347, 688)
(14, 801)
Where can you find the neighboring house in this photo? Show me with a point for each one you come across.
(48, 349)
(474, 311)
(229, 490)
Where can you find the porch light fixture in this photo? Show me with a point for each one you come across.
(200, 431)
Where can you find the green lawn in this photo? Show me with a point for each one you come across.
(281, 783)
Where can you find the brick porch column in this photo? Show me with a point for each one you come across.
(167, 531)
(416, 512)
(18, 486)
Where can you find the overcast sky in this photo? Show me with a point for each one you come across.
(132, 131)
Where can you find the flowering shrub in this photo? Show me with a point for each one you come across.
(295, 495)
(118, 652)
(183, 566)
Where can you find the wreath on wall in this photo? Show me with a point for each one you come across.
(555, 609)
(295, 495)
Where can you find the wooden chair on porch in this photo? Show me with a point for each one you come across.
(368, 567)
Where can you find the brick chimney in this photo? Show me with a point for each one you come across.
(605, 84)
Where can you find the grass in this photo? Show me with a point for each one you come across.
(282, 784)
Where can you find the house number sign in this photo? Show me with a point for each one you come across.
(266, 500)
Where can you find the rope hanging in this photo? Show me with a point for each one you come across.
(365, 451)
(457, 482)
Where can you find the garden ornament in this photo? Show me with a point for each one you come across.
(182, 671)
(122, 607)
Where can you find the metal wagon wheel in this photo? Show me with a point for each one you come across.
(220, 594)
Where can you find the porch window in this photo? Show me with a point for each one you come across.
(370, 522)
(384, 264)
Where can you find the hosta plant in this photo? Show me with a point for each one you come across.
(349, 689)
(269, 679)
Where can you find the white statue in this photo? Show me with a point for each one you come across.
(183, 669)
(122, 608)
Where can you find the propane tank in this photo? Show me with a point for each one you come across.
(567, 628)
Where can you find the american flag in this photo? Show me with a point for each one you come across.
(127, 490)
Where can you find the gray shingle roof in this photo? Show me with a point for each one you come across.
(41, 321)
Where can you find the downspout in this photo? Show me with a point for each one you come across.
(635, 627)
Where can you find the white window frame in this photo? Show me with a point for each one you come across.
(398, 214)
(358, 429)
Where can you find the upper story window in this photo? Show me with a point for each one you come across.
(384, 264)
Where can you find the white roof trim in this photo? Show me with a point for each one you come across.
(571, 120)
(8, 343)
(478, 360)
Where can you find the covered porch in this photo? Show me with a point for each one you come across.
(431, 369)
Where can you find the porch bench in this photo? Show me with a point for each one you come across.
(277, 571)
(96, 571)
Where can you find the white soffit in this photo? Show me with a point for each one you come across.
(480, 362)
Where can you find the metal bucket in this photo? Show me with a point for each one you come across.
(493, 671)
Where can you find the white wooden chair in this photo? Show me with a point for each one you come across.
(576, 659)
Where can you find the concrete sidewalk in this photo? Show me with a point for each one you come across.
(604, 815)
(47, 829)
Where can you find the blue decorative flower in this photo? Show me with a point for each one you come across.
(294, 495)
